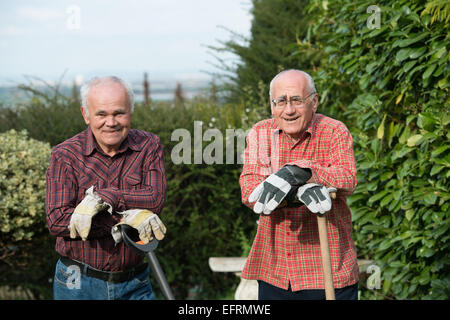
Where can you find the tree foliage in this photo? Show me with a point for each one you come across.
(276, 27)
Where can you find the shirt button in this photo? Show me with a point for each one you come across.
(288, 233)
(289, 254)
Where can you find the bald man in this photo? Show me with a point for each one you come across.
(291, 163)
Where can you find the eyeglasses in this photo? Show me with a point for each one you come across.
(295, 101)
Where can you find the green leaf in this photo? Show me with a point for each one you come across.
(424, 277)
(439, 150)
(377, 196)
(380, 131)
(429, 71)
(437, 55)
(413, 140)
(409, 214)
(405, 134)
(386, 200)
(436, 169)
(430, 198)
(409, 65)
(386, 175)
(371, 66)
(385, 244)
(443, 83)
(407, 42)
(417, 52)
(426, 121)
(403, 54)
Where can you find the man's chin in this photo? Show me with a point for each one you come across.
(291, 130)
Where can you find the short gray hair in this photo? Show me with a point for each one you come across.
(86, 88)
(310, 80)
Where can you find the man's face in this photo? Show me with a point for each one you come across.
(293, 120)
(109, 115)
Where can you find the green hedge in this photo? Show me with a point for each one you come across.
(23, 162)
(390, 86)
(26, 253)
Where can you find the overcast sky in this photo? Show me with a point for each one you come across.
(166, 38)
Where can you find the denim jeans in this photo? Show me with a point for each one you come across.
(70, 284)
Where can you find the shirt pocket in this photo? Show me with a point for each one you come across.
(84, 183)
(132, 181)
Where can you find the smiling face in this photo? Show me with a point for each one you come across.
(109, 115)
(291, 119)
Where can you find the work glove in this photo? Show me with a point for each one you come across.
(144, 221)
(81, 219)
(271, 192)
(316, 197)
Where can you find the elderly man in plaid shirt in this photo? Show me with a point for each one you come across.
(107, 175)
(290, 164)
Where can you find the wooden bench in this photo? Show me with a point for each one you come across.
(248, 289)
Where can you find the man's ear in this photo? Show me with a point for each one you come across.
(85, 116)
(316, 102)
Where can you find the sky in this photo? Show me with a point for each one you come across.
(85, 38)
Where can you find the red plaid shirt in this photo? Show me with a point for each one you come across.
(286, 247)
(133, 178)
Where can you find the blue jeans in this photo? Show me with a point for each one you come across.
(70, 284)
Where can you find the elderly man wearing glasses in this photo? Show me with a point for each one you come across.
(291, 163)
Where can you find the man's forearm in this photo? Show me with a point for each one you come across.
(340, 177)
(151, 198)
(150, 195)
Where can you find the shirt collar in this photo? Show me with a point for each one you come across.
(129, 142)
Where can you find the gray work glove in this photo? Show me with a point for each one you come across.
(271, 192)
(316, 197)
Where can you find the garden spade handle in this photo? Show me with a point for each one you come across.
(149, 251)
(325, 252)
(159, 275)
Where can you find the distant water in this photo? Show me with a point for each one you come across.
(159, 91)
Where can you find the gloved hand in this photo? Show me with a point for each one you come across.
(271, 192)
(144, 221)
(81, 219)
(316, 197)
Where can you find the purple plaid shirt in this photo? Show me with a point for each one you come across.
(133, 178)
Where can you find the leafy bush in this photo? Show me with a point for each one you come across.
(26, 254)
(22, 185)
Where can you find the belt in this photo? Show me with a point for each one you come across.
(119, 276)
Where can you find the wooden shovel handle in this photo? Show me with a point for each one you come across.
(325, 252)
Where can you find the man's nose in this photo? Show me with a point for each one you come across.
(111, 121)
(289, 109)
